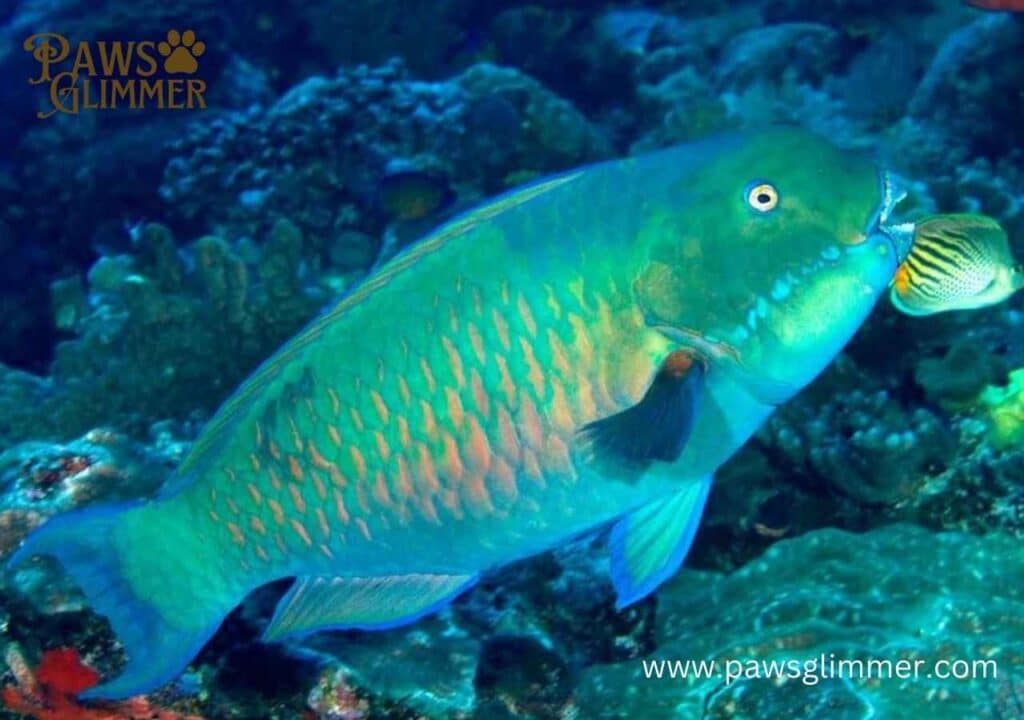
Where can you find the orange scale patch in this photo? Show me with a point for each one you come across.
(454, 361)
(505, 382)
(296, 437)
(453, 468)
(477, 344)
(478, 301)
(504, 480)
(257, 525)
(556, 457)
(254, 493)
(584, 397)
(480, 398)
(531, 468)
(508, 439)
(294, 468)
(334, 434)
(561, 412)
(427, 509)
(552, 302)
(301, 531)
(362, 500)
(363, 528)
(429, 420)
(450, 501)
(428, 375)
(478, 449)
(380, 406)
(581, 341)
(339, 508)
(478, 500)
(559, 355)
(357, 419)
(404, 438)
(321, 489)
(455, 411)
(534, 373)
(297, 500)
(314, 417)
(325, 527)
(380, 490)
(403, 390)
(274, 450)
(332, 395)
(427, 472)
(405, 488)
(530, 422)
(501, 329)
(316, 458)
(526, 315)
(358, 462)
(336, 477)
(275, 507)
(236, 534)
(383, 450)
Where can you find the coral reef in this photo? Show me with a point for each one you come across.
(317, 155)
(897, 593)
(39, 480)
(273, 200)
(163, 334)
(1005, 409)
(48, 692)
(858, 441)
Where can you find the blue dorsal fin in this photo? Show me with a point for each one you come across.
(361, 603)
(648, 545)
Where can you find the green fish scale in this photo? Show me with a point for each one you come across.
(462, 412)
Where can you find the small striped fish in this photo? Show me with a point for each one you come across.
(958, 262)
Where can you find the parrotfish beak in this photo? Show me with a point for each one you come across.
(900, 235)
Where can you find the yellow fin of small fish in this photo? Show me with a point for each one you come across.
(957, 262)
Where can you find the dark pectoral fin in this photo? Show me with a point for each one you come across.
(657, 427)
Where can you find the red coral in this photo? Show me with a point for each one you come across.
(61, 674)
(61, 671)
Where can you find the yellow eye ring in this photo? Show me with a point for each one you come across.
(763, 197)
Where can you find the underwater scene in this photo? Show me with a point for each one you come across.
(497, 359)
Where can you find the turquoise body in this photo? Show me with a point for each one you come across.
(585, 350)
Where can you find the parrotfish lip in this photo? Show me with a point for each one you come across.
(901, 235)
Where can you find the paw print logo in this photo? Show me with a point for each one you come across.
(180, 52)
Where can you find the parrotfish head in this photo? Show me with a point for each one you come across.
(781, 248)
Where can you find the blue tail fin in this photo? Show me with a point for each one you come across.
(110, 555)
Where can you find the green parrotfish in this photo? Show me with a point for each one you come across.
(578, 354)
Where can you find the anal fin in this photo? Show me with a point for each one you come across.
(361, 603)
(649, 544)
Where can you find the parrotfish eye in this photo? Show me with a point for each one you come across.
(763, 197)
